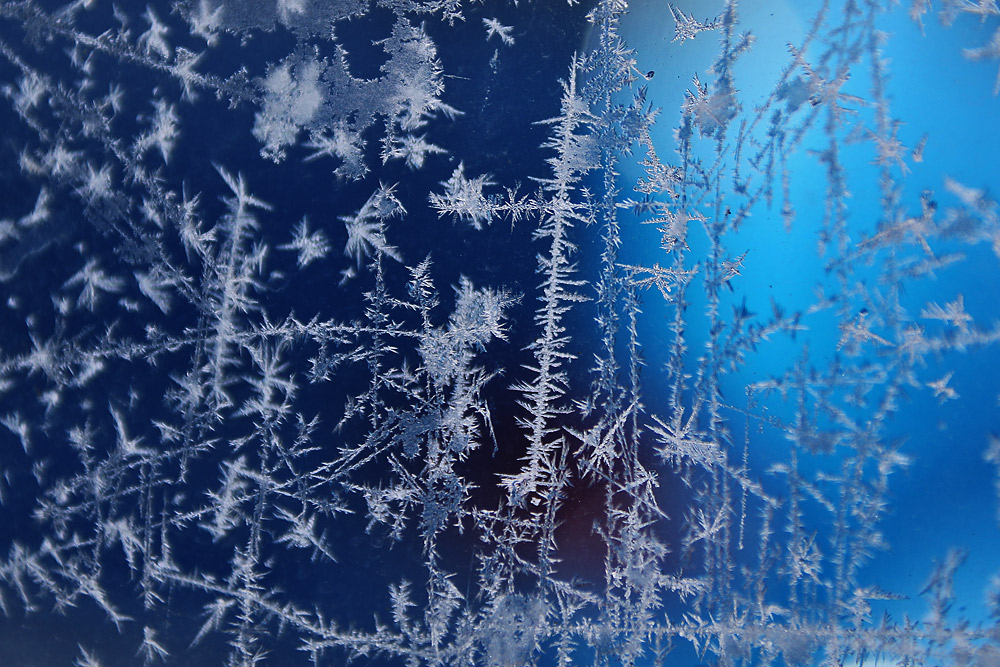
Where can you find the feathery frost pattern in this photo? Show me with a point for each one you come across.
(451, 332)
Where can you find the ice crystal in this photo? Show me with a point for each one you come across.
(277, 390)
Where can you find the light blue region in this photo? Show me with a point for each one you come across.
(946, 497)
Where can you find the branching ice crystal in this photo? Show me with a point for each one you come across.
(276, 390)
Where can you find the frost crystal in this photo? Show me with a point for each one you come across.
(719, 389)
